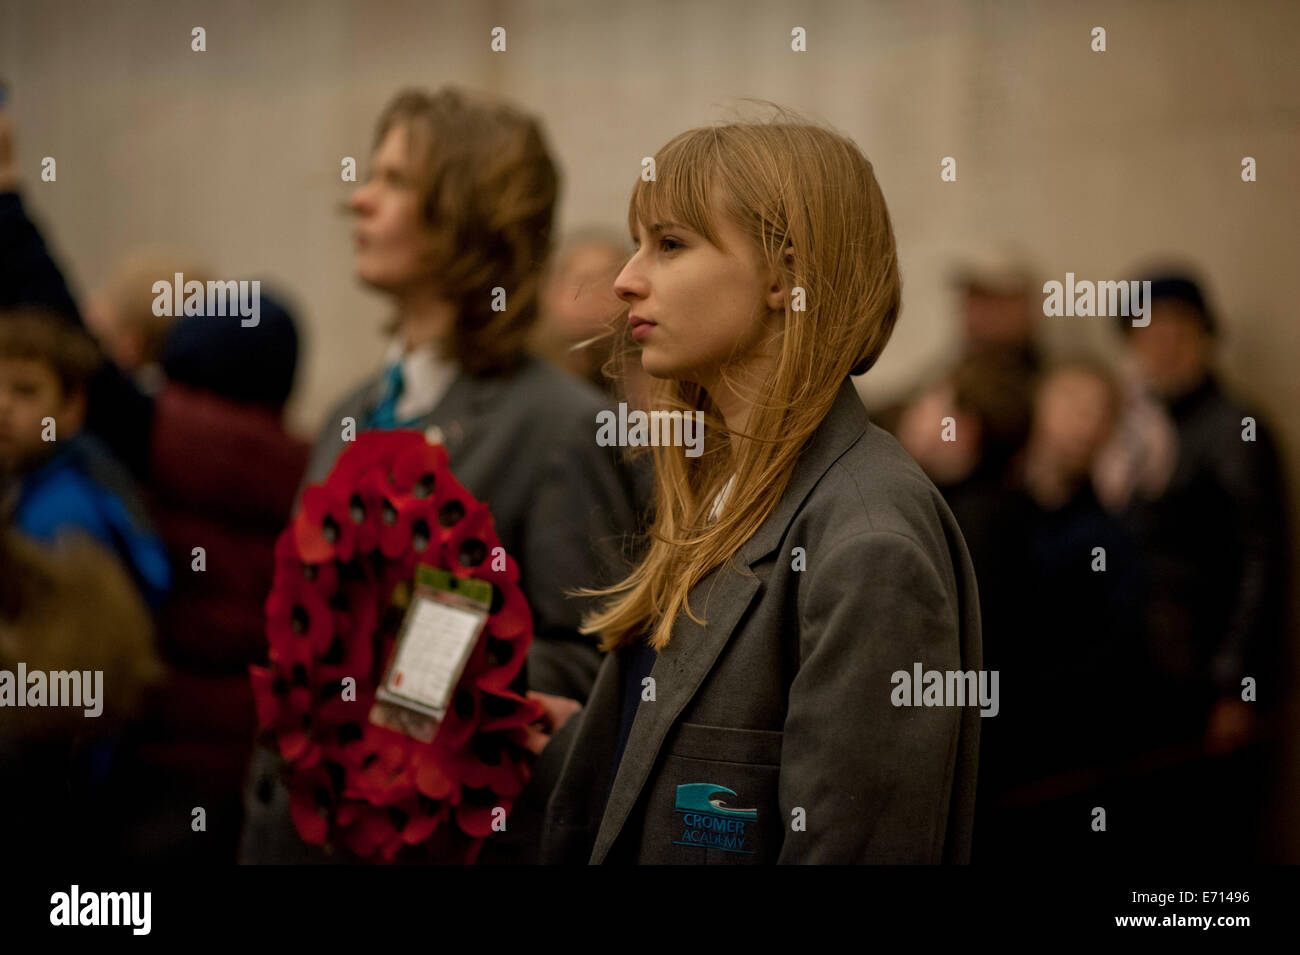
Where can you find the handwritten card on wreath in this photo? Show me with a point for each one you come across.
(437, 636)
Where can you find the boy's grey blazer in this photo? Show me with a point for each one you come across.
(564, 507)
(784, 697)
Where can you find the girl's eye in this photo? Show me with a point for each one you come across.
(669, 244)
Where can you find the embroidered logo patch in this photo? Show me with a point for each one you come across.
(708, 821)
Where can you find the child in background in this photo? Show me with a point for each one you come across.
(56, 478)
(77, 565)
(121, 317)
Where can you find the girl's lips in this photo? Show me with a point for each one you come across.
(641, 330)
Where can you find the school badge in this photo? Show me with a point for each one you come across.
(709, 822)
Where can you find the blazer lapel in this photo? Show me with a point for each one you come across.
(721, 599)
(678, 673)
(573, 773)
(457, 415)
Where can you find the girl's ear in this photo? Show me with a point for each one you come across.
(776, 290)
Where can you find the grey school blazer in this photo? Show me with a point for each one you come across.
(772, 736)
(564, 507)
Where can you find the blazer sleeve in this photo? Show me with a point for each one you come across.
(875, 780)
(577, 533)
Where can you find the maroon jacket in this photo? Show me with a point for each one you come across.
(223, 477)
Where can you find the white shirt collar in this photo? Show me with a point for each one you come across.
(425, 378)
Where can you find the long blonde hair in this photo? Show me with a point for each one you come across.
(786, 182)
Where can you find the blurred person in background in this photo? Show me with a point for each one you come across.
(1138, 460)
(1015, 471)
(967, 431)
(458, 202)
(577, 304)
(1086, 580)
(997, 304)
(1000, 303)
(116, 409)
(1076, 405)
(67, 606)
(576, 328)
(1070, 683)
(60, 478)
(1215, 539)
(120, 314)
(220, 405)
(1214, 543)
(79, 565)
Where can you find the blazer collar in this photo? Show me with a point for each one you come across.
(682, 666)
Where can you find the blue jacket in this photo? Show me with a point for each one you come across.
(82, 488)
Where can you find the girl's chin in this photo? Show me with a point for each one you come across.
(657, 366)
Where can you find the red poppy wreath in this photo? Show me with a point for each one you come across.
(389, 514)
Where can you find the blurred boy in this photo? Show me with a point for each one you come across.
(57, 478)
(120, 314)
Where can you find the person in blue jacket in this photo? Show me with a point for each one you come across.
(56, 478)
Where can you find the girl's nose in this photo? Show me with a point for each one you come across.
(631, 283)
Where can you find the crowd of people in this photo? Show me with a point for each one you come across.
(1127, 524)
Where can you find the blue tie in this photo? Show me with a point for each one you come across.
(384, 417)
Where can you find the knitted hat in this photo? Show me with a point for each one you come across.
(218, 354)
